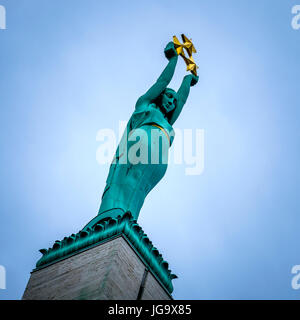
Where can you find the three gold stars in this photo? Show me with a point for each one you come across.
(189, 47)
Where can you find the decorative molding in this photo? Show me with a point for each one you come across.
(103, 231)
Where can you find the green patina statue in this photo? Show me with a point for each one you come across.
(134, 171)
(139, 164)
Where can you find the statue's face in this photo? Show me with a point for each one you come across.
(169, 100)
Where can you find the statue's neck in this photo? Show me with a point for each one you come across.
(162, 111)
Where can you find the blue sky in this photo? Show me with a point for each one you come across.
(70, 68)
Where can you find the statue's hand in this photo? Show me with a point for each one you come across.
(170, 51)
(194, 79)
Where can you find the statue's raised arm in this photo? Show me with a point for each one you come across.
(182, 95)
(164, 79)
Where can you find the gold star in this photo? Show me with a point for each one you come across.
(191, 64)
(188, 45)
(178, 46)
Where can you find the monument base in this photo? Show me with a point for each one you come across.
(115, 268)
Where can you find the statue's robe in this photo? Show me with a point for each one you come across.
(128, 184)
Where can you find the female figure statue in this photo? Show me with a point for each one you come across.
(132, 177)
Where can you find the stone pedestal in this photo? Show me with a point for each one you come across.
(115, 261)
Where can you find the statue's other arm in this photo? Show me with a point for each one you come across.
(182, 95)
(164, 79)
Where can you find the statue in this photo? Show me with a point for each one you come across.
(129, 181)
(140, 162)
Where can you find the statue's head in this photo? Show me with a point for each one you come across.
(167, 101)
